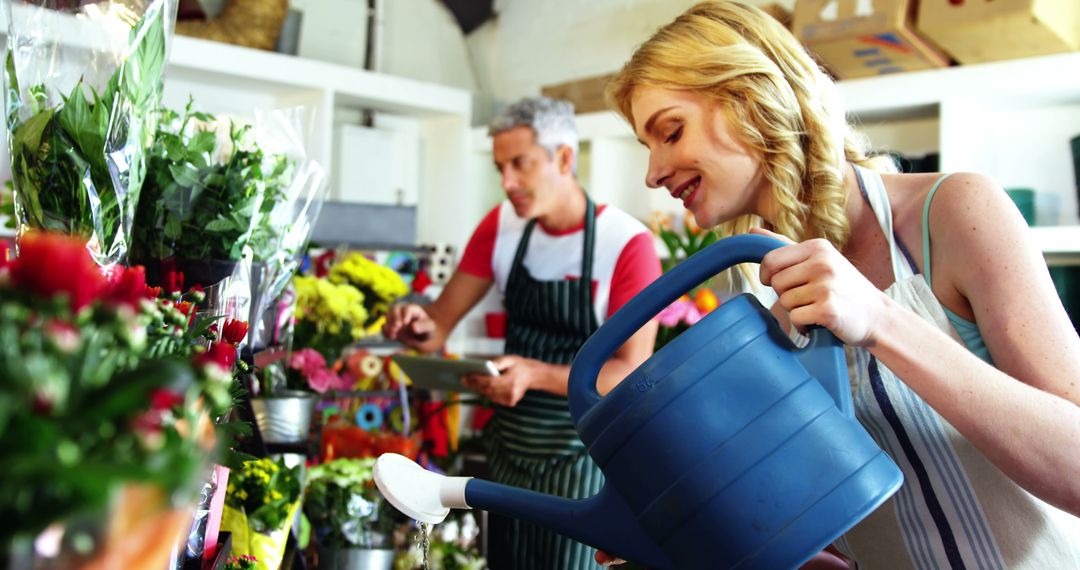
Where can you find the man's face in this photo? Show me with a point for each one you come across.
(528, 171)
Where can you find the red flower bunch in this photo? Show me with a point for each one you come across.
(52, 265)
(234, 331)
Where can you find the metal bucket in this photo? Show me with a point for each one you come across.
(284, 417)
(356, 559)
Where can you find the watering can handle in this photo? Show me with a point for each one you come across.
(748, 248)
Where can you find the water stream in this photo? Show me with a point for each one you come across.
(425, 541)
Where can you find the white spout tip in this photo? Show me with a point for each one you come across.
(420, 494)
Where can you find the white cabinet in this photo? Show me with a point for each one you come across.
(414, 153)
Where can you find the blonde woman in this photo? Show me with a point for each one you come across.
(966, 368)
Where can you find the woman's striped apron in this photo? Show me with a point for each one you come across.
(534, 444)
(956, 509)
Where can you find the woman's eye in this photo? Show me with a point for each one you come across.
(674, 136)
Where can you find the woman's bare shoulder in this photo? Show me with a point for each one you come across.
(908, 193)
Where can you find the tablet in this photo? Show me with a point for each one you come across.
(436, 373)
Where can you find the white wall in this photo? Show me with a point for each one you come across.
(421, 40)
(535, 43)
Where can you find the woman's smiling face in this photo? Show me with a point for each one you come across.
(694, 154)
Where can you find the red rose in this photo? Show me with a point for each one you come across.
(221, 354)
(174, 281)
(54, 264)
(164, 399)
(126, 286)
(234, 331)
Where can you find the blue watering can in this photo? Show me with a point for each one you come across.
(728, 448)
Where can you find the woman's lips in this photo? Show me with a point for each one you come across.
(686, 192)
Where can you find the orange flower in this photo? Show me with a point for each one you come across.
(706, 300)
(691, 226)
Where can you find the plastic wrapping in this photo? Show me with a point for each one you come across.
(81, 81)
(266, 548)
(201, 539)
(287, 219)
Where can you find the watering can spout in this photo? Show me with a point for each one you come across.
(603, 521)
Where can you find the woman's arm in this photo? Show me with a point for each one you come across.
(1025, 414)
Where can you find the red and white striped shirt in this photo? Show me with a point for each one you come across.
(624, 260)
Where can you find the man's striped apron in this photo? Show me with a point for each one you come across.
(534, 444)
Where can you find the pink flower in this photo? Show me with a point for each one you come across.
(682, 310)
(321, 380)
(307, 361)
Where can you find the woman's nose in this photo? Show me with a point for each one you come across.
(658, 172)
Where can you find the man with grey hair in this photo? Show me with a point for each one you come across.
(563, 265)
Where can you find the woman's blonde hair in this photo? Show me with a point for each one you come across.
(778, 100)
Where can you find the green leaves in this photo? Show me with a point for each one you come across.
(78, 166)
(206, 194)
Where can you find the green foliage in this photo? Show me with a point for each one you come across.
(207, 197)
(264, 490)
(344, 507)
(78, 168)
(682, 246)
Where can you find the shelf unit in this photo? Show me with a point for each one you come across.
(236, 80)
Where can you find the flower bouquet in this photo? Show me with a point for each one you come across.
(81, 82)
(380, 285)
(285, 219)
(105, 411)
(260, 502)
(345, 509)
(330, 316)
(206, 184)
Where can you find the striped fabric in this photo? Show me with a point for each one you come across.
(533, 444)
(956, 509)
(519, 545)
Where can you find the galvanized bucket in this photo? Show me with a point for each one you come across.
(284, 417)
(356, 559)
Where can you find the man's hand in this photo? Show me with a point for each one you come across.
(408, 323)
(516, 376)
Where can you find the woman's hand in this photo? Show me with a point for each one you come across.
(516, 376)
(605, 559)
(817, 285)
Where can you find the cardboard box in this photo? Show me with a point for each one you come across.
(587, 94)
(864, 38)
(975, 31)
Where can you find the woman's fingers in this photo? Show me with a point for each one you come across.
(605, 559)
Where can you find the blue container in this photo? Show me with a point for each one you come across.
(728, 448)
